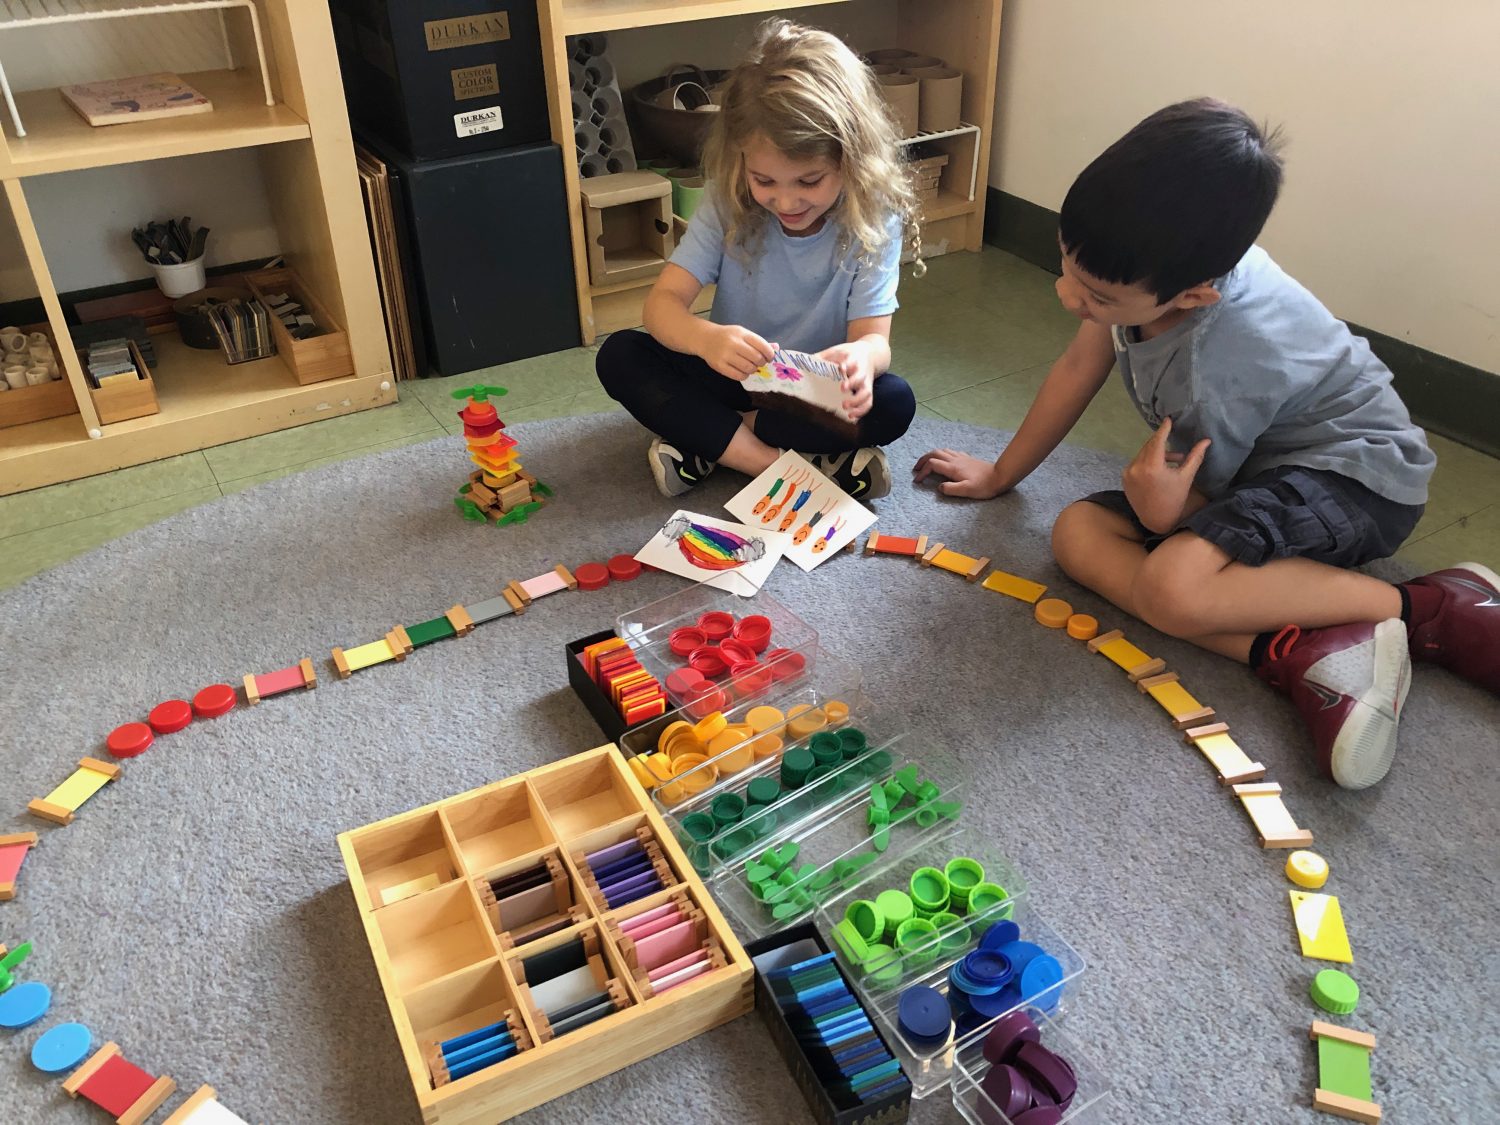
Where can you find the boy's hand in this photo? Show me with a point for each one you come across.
(858, 367)
(1158, 483)
(735, 352)
(967, 476)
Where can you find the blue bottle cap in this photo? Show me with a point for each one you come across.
(988, 969)
(1039, 981)
(1019, 954)
(61, 1048)
(24, 1004)
(1000, 934)
(924, 1015)
(997, 1003)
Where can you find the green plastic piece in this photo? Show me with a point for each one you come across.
(10, 961)
(877, 817)
(877, 763)
(927, 791)
(544, 489)
(866, 918)
(895, 793)
(469, 509)
(763, 790)
(926, 818)
(964, 874)
(796, 764)
(438, 629)
(949, 809)
(877, 798)
(784, 910)
(853, 743)
(917, 938)
(806, 872)
(851, 942)
(1335, 991)
(519, 514)
(826, 748)
(907, 778)
(786, 877)
(757, 872)
(882, 839)
(731, 844)
(480, 392)
(701, 826)
(954, 931)
(929, 888)
(883, 966)
(816, 774)
(727, 809)
(823, 881)
(895, 908)
(1344, 1068)
(985, 901)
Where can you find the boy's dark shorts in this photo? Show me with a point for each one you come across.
(1288, 513)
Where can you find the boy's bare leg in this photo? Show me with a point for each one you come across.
(745, 452)
(1190, 588)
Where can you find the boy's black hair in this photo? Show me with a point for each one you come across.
(1176, 201)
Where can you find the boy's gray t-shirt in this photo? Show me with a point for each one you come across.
(800, 293)
(1274, 378)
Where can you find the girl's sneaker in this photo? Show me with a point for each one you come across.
(674, 473)
(1456, 621)
(864, 474)
(1349, 682)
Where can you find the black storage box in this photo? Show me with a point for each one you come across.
(493, 256)
(598, 704)
(441, 78)
(891, 1109)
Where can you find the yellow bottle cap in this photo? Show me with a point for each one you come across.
(1307, 869)
(1053, 612)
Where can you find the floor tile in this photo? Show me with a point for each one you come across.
(239, 484)
(1475, 538)
(320, 441)
(527, 381)
(34, 551)
(92, 496)
(1464, 481)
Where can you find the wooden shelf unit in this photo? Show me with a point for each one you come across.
(964, 33)
(306, 155)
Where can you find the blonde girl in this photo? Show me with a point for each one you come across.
(801, 231)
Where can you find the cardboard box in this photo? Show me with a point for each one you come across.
(440, 78)
(627, 219)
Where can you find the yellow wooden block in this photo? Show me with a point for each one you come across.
(82, 784)
(1233, 764)
(1175, 699)
(952, 560)
(408, 889)
(1320, 926)
(1010, 585)
(1123, 653)
(1276, 827)
(364, 656)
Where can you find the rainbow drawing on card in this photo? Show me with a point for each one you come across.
(712, 548)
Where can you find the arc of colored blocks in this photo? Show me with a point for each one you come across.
(59, 805)
(895, 545)
(1344, 1087)
(13, 851)
(119, 1087)
(299, 675)
(941, 557)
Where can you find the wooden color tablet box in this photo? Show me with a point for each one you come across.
(445, 970)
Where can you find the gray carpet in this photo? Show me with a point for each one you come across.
(197, 911)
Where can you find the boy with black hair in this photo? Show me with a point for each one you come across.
(1282, 457)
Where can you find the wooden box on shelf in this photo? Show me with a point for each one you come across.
(423, 885)
(129, 398)
(52, 399)
(628, 220)
(320, 357)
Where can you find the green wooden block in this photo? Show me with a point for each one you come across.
(1344, 1068)
(438, 629)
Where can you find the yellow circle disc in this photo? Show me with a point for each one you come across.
(766, 746)
(836, 710)
(1053, 612)
(763, 718)
(1307, 869)
(642, 774)
(1082, 627)
(807, 723)
(724, 740)
(664, 739)
(695, 780)
(711, 727)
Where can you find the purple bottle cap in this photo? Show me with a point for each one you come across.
(1050, 1073)
(1009, 1032)
(1039, 1115)
(1009, 1089)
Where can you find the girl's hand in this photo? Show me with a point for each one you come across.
(736, 352)
(967, 476)
(1159, 483)
(859, 377)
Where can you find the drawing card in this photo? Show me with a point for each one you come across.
(803, 385)
(718, 553)
(819, 518)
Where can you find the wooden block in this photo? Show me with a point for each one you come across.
(1191, 719)
(1342, 1106)
(252, 696)
(977, 569)
(1322, 1029)
(489, 609)
(482, 495)
(13, 851)
(1177, 701)
(203, 1108)
(567, 576)
(341, 664)
(309, 675)
(459, 618)
(409, 888)
(1233, 764)
(519, 591)
(86, 1071)
(517, 606)
(514, 495)
(400, 643)
(1194, 733)
(1153, 666)
(932, 553)
(1105, 638)
(1146, 683)
(921, 547)
(1276, 827)
(154, 1098)
(48, 811)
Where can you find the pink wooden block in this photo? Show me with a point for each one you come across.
(682, 976)
(274, 683)
(666, 910)
(544, 584)
(668, 945)
(662, 971)
(11, 857)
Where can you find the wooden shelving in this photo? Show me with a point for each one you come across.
(306, 156)
(58, 140)
(965, 33)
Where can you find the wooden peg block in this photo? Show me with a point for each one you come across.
(931, 553)
(1233, 764)
(1152, 667)
(519, 591)
(1146, 683)
(459, 618)
(1190, 719)
(1275, 825)
(517, 606)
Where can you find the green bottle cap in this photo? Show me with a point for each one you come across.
(796, 764)
(929, 889)
(699, 825)
(763, 790)
(895, 907)
(1335, 991)
(866, 918)
(727, 808)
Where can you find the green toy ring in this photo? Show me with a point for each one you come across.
(929, 889)
(964, 874)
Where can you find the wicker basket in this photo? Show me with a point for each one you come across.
(671, 132)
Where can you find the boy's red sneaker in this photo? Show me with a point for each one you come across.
(1456, 621)
(1349, 682)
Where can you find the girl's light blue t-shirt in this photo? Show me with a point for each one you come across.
(800, 293)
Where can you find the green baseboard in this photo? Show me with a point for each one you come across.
(1447, 396)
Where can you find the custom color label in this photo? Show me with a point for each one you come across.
(466, 31)
(472, 122)
(475, 82)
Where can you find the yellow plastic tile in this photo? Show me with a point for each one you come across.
(1123, 653)
(1010, 585)
(1320, 926)
(1227, 757)
(376, 652)
(1175, 698)
(78, 788)
(953, 561)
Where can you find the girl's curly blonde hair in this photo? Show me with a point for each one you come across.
(810, 96)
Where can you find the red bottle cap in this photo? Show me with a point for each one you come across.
(685, 639)
(129, 740)
(622, 568)
(172, 715)
(592, 576)
(754, 630)
(214, 700)
(717, 624)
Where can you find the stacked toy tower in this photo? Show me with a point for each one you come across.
(501, 490)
